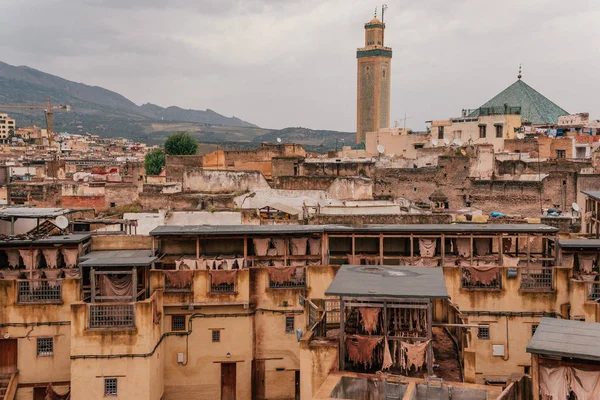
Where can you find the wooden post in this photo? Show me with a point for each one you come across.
(12, 226)
(381, 249)
(385, 321)
(443, 249)
(501, 249)
(92, 284)
(342, 350)
(153, 246)
(134, 283)
(535, 377)
(528, 249)
(353, 246)
(472, 249)
(324, 249)
(197, 247)
(429, 337)
(411, 249)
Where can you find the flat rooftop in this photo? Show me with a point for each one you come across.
(566, 338)
(118, 258)
(74, 238)
(215, 230)
(383, 281)
(33, 212)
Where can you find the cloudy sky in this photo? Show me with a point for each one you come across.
(279, 63)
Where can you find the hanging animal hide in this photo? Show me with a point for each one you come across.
(387, 356)
(11, 274)
(370, 318)
(314, 245)
(71, 272)
(51, 257)
(281, 275)
(179, 279)
(241, 262)
(52, 276)
(483, 275)
(464, 247)
(360, 349)
(52, 395)
(586, 261)
(509, 261)
(568, 260)
(30, 258)
(482, 246)
(279, 245)
(113, 286)
(414, 353)
(220, 277)
(70, 256)
(13, 257)
(299, 246)
(427, 247)
(354, 259)
(261, 246)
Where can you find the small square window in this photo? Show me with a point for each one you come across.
(178, 322)
(110, 387)
(216, 336)
(483, 332)
(45, 347)
(561, 154)
(289, 324)
(534, 328)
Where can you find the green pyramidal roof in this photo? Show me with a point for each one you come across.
(535, 108)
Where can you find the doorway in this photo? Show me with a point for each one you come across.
(228, 380)
(8, 356)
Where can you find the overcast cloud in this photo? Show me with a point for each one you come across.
(279, 63)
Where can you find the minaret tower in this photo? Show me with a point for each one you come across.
(374, 68)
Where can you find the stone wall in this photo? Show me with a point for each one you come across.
(382, 219)
(218, 181)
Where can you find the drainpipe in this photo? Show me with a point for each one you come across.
(507, 356)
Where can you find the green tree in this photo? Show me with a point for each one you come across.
(180, 144)
(154, 162)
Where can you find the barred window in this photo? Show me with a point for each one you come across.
(483, 332)
(289, 324)
(216, 336)
(178, 322)
(110, 387)
(534, 328)
(45, 347)
(482, 131)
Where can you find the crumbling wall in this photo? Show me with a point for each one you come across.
(303, 182)
(121, 194)
(436, 218)
(214, 181)
(351, 189)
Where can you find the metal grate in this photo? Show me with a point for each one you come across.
(537, 278)
(112, 316)
(468, 282)
(222, 288)
(289, 324)
(45, 347)
(216, 336)
(298, 280)
(594, 291)
(483, 332)
(178, 322)
(39, 291)
(332, 310)
(110, 387)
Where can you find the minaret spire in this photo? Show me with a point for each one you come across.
(375, 11)
(520, 75)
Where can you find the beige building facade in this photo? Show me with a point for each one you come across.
(7, 126)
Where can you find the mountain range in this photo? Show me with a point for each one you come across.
(107, 113)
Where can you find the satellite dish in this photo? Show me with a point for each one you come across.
(446, 142)
(575, 206)
(380, 149)
(6, 335)
(520, 135)
(61, 221)
(457, 142)
(434, 142)
(278, 140)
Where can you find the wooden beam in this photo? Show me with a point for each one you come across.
(342, 350)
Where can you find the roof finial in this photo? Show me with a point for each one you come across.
(375, 11)
(520, 75)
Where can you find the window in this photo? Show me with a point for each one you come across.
(498, 130)
(482, 131)
(110, 387)
(561, 154)
(289, 324)
(113, 204)
(534, 328)
(483, 332)
(440, 132)
(178, 322)
(45, 347)
(216, 336)
(419, 146)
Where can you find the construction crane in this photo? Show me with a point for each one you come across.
(48, 109)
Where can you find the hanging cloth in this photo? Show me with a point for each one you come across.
(586, 261)
(261, 246)
(483, 275)
(415, 353)
(509, 261)
(52, 276)
(354, 259)
(585, 384)
(113, 286)
(314, 245)
(52, 395)
(30, 258)
(482, 246)
(427, 247)
(51, 257)
(554, 383)
(387, 356)
(299, 246)
(179, 279)
(13, 257)
(360, 349)
(281, 275)
(279, 245)
(71, 272)
(70, 256)
(370, 318)
(464, 247)
(223, 277)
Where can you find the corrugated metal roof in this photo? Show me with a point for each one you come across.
(535, 107)
(73, 238)
(182, 230)
(566, 338)
(383, 281)
(579, 243)
(595, 194)
(118, 258)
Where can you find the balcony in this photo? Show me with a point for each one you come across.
(475, 278)
(39, 291)
(111, 316)
(537, 279)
